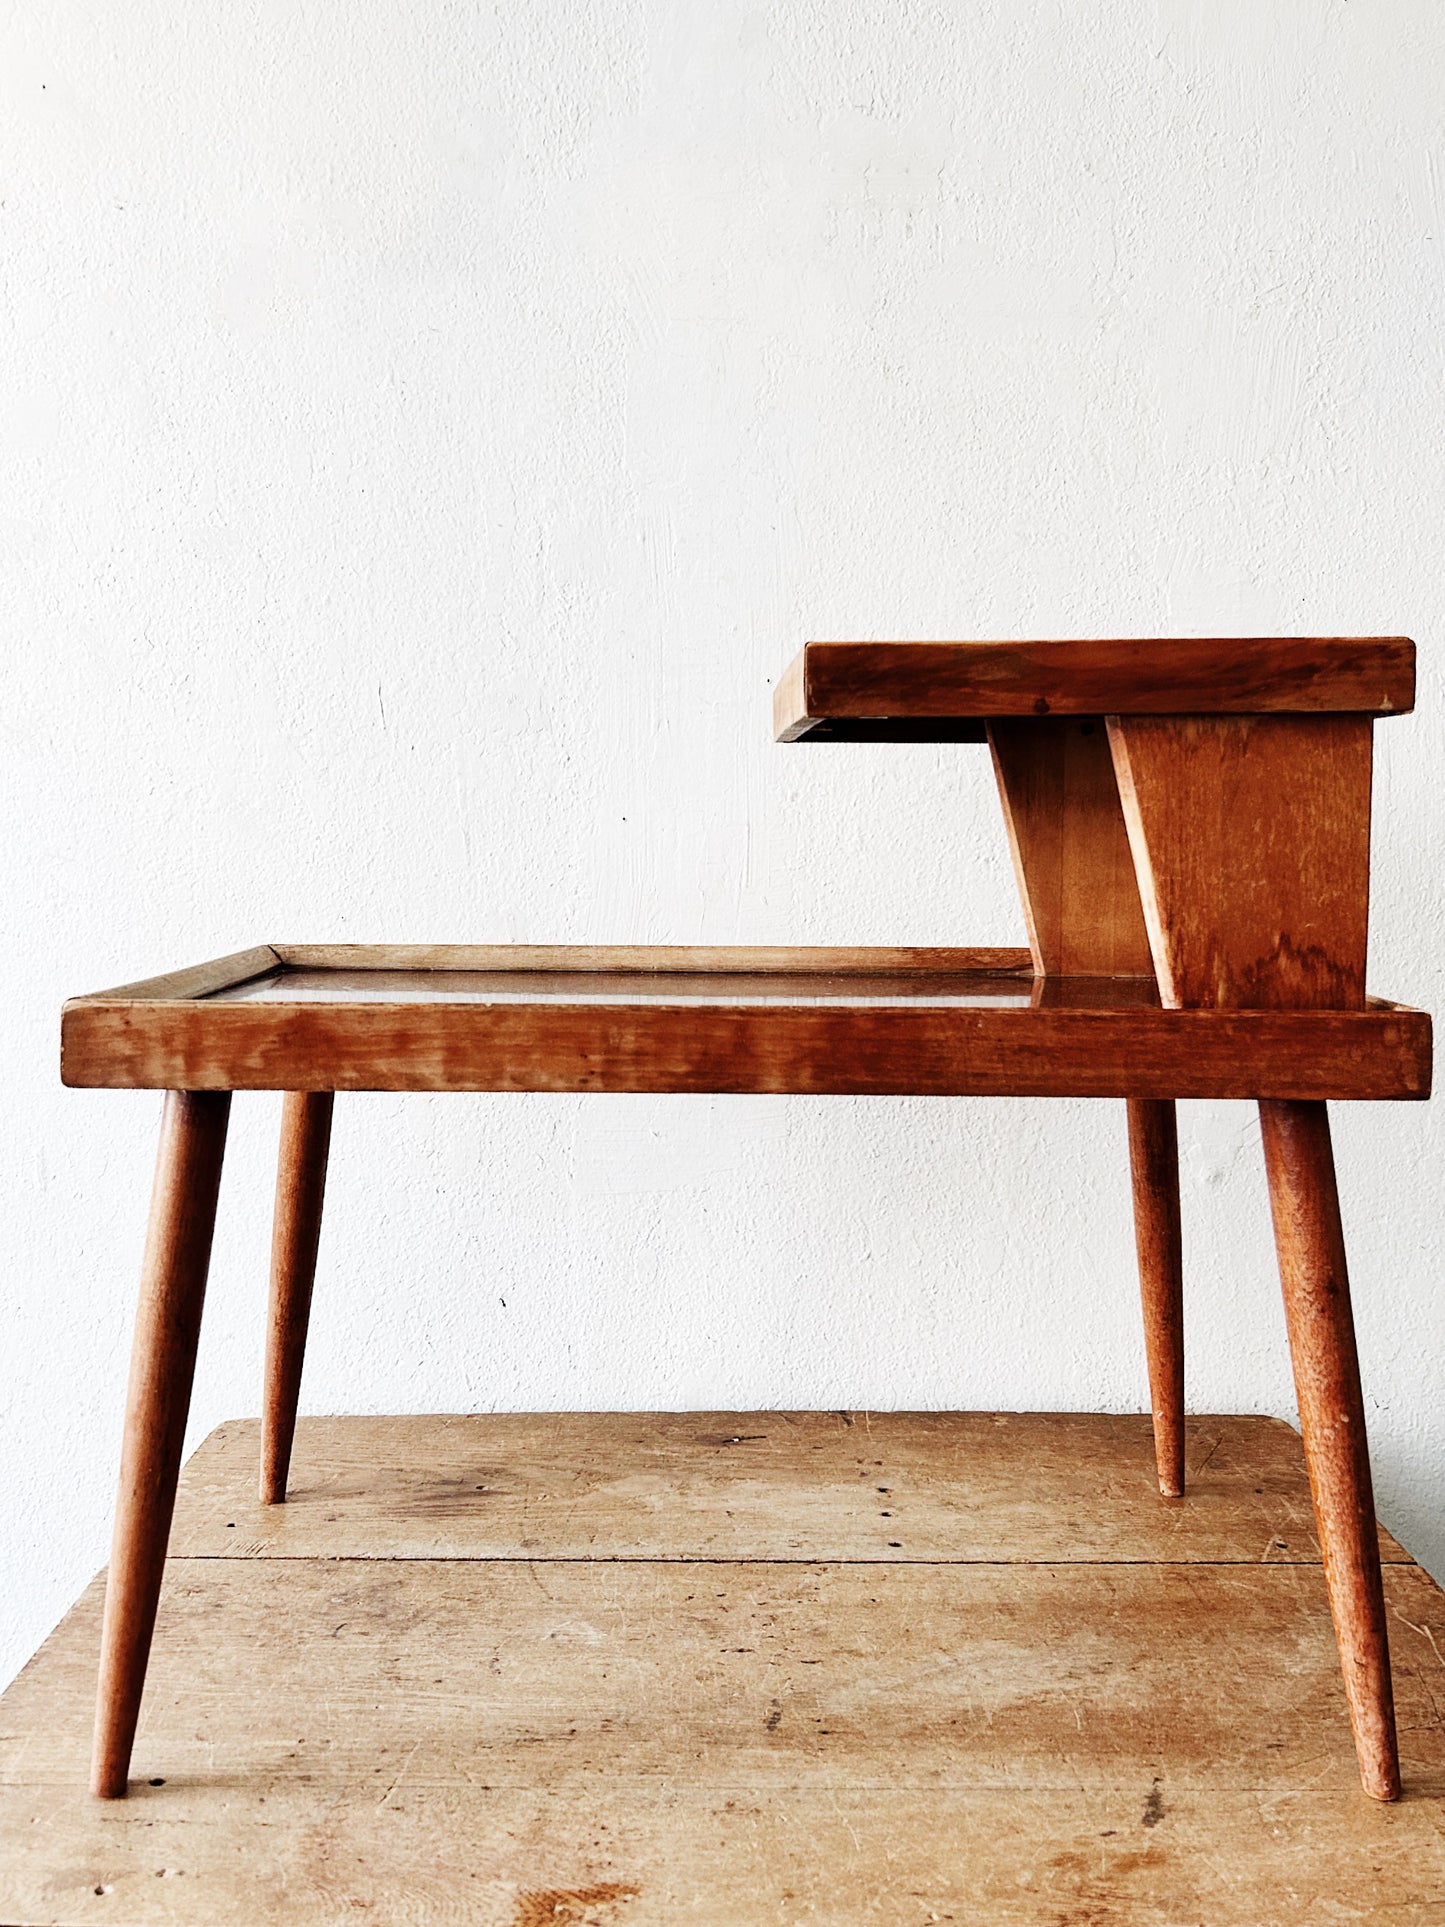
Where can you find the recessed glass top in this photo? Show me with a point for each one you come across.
(911, 990)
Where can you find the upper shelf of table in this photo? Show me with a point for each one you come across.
(939, 692)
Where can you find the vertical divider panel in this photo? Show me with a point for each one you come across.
(1251, 841)
(1070, 846)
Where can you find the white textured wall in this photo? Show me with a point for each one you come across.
(429, 429)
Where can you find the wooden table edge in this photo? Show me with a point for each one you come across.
(1361, 675)
(1381, 1052)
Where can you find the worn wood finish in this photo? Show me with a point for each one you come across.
(830, 684)
(519, 1673)
(1251, 837)
(542, 1740)
(1084, 1039)
(163, 1360)
(1070, 848)
(802, 1486)
(1154, 1164)
(721, 1854)
(1306, 1207)
(296, 1234)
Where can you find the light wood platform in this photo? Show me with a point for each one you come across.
(621, 1670)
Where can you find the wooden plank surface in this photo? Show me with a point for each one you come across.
(1137, 1855)
(1096, 1046)
(1075, 1741)
(892, 1486)
(834, 682)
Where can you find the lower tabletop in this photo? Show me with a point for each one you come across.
(856, 1022)
(735, 1668)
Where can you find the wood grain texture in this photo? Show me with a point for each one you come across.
(270, 1674)
(834, 682)
(296, 1236)
(1306, 1208)
(1154, 1166)
(1092, 1048)
(1251, 838)
(861, 1486)
(550, 1740)
(163, 1362)
(722, 1854)
(1070, 847)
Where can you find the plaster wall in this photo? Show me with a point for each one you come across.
(430, 429)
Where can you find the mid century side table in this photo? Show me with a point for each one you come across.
(1190, 825)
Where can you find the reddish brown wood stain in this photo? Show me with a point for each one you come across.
(1217, 840)
(895, 688)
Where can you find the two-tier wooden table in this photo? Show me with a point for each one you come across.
(1190, 824)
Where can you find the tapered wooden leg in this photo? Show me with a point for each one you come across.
(163, 1363)
(300, 1192)
(1154, 1161)
(1312, 1271)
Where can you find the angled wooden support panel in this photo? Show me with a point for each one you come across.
(1070, 846)
(1251, 841)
